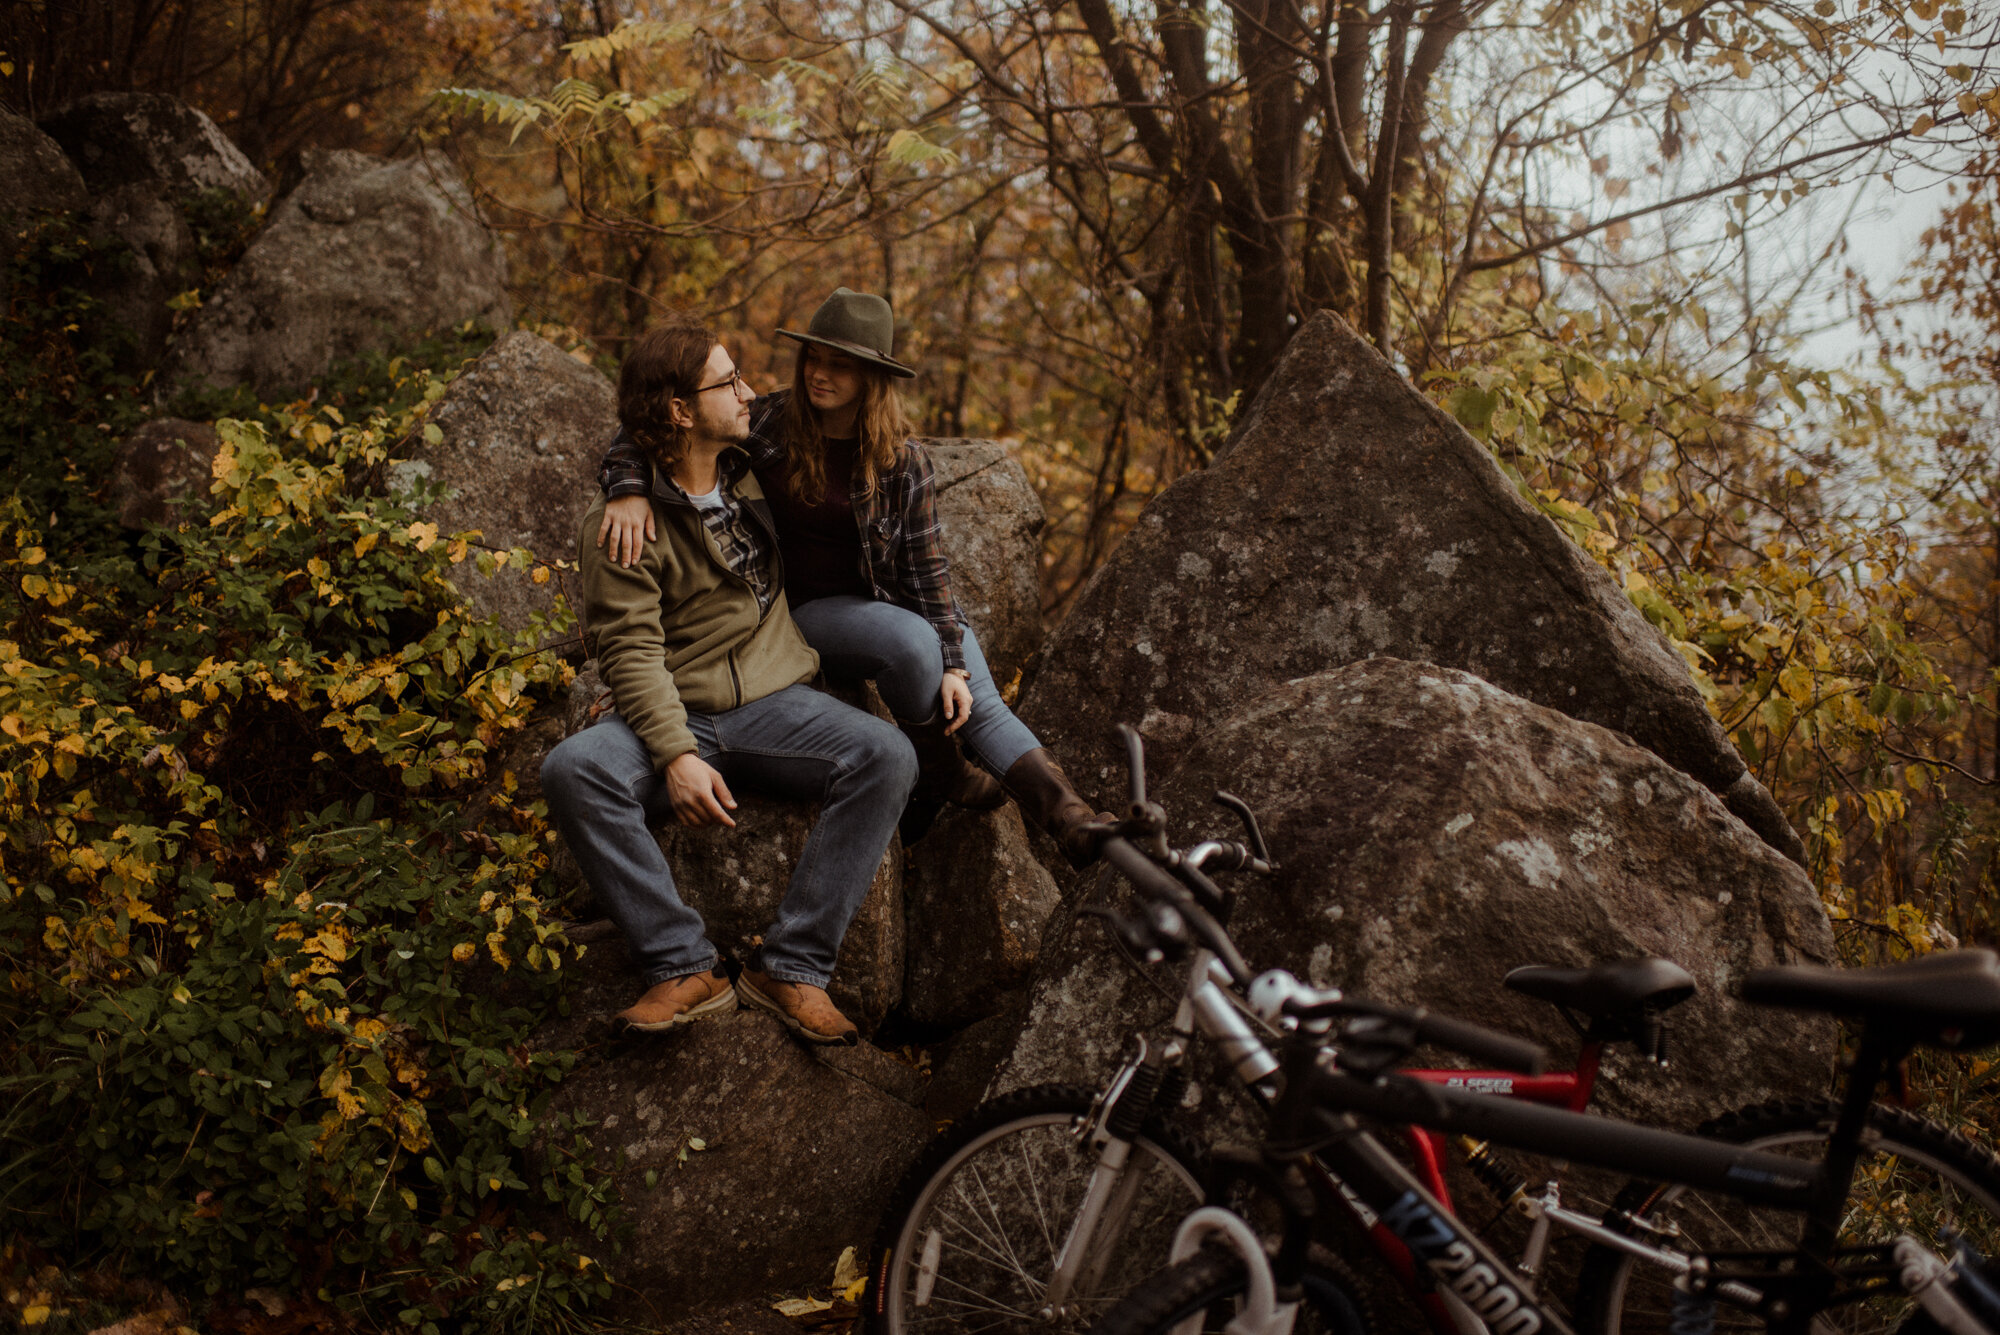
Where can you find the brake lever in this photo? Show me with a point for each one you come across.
(1262, 851)
(1369, 1045)
(1161, 934)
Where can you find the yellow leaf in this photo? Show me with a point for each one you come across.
(1923, 125)
(846, 1270)
(37, 1313)
(424, 535)
(32, 556)
(366, 543)
(11, 725)
(1796, 682)
(541, 575)
(798, 1307)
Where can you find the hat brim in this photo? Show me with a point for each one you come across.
(856, 351)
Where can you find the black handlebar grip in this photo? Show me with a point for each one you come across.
(1502, 1051)
(1159, 886)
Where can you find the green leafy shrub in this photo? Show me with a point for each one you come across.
(271, 927)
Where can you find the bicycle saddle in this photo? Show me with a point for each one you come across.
(1950, 999)
(1604, 990)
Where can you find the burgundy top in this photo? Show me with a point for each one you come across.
(820, 543)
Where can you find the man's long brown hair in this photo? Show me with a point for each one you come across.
(881, 424)
(665, 364)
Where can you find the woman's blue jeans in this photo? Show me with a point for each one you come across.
(604, 792)
(898, 650)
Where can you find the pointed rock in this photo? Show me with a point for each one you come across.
(1350, 518)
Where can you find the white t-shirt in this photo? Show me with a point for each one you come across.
(708, 500)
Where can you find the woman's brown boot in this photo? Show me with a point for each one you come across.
(943, 772)
(1043, 790)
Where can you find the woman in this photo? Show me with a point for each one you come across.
(854, 506)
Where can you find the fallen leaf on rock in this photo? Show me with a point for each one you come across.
(798, 1307)
(846, 1270)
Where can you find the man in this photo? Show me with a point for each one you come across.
(709, 677)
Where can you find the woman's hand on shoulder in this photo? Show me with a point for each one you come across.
(627, 528)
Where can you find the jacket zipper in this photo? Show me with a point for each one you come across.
(715, 555)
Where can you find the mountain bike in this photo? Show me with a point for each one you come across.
(1040, 1209)
(1844, 1217)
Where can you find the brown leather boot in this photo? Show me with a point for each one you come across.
(943, 772)
(1043, 790)
(678, 1001)
(802, 1008)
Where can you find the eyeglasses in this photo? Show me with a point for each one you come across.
(735, 382)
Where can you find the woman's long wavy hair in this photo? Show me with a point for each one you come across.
(882, 425)
(665, 364)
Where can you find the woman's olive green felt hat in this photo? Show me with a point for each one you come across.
(859, 324)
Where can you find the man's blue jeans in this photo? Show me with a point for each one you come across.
(899, 651)
(603, 791)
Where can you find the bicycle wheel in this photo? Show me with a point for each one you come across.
(972, 1239)
(1209, 1285)
(1914, 1177)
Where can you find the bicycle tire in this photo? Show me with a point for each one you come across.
(1914, 1176)
(1021, 1139)
(1210, 1282)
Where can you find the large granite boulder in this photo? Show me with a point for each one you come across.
(39, 176)
(977, 901)
(1433, 832)
(156, 260)
(523, 429)
(161, 473)
(745, 1161)
(993, 525)
(1349, 519)
(39, 179)
(118, 138)
(364, 253)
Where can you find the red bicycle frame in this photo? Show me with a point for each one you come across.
(1570, 1090)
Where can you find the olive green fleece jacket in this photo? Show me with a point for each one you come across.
(680, 630)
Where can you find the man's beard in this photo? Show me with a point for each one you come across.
(732, 429)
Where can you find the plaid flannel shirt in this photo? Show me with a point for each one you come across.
(743, 545)
(902, 552)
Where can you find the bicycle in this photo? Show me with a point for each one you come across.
(1870, 1251)
(1041, 1208)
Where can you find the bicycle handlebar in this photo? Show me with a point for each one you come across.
(1166, 889)
(1476, 1041)
(1156, 884)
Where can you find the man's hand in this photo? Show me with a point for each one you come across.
(628, 524)
(955, 695)
(698, 793)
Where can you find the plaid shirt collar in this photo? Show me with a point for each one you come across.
(745, 545)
